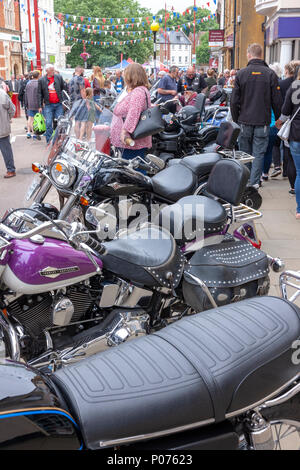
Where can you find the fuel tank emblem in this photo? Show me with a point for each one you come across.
(55, 272)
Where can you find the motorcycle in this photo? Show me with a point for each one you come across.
(65, 295)
(231, 374)
(84, 178)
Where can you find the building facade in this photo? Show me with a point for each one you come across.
(282, 25)
(51, 35)
(175, 49)
(10, 39)
(242, 26)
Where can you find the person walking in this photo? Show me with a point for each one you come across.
(119, 85)
(7, 111)
(127, 113)
(167, 88)
(291, 108)
(76, 84)
(50, 97)
(255, 94)
(32, 103)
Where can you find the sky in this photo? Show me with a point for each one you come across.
(179, 5)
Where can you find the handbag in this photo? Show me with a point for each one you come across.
(284, 132)
(151, 122)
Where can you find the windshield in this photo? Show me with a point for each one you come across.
(85, 121)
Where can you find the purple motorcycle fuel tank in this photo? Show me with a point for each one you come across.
(34, 268)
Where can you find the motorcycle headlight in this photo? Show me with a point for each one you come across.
(63, 173)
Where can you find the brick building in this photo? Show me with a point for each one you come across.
(10, 39)
(242, 26)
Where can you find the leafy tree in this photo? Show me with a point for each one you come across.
(105, 55)
(203, 50)
(140, 51)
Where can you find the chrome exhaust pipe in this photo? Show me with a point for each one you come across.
(12, 337)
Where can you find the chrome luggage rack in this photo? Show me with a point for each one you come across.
(241, 213)
(291, 279)
(242, 157)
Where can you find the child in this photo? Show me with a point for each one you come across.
(92, 107)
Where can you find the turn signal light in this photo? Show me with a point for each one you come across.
(83, 201)
(58, 167)
(35, 168)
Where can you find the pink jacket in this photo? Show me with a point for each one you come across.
(130, 109)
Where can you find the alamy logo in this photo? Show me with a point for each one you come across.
(296, 354)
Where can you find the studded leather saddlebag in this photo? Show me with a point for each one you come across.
(232, 270)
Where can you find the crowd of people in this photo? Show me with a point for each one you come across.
(262, 100)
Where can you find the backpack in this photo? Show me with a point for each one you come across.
(39, 125)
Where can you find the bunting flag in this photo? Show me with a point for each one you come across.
(108, 43)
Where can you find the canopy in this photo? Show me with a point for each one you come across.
(121, 65)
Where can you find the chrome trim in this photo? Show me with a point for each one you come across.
(203, 287)
(284, 282)
(264, 400)
(142, 437)
(286, 396)
(13, 337)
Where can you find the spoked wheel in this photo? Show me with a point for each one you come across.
(286, 435)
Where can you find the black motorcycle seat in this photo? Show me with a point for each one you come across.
(201, 164)
(202, 369)
(144, 256)
(173, 182)
(193, 217)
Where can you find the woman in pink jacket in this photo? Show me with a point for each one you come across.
(127, 114)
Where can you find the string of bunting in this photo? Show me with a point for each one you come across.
(109, 43)
(90, 28)
(62, 18)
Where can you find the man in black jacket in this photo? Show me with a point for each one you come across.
(192, 79)
(50, 88)
(256, 93)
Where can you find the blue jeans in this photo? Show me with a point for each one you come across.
(254, 140)
(52, 111)
(269, 152)
(295, 151)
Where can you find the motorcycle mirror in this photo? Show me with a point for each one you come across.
(156, 161)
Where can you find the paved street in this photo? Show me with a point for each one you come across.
(278, 229)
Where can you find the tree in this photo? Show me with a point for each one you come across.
(203, 50)
(108, 55)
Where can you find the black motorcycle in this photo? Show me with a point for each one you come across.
(226, 380)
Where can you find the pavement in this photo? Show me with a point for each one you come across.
(278, 229)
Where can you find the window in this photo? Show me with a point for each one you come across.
(186, 48)
(186, 59)
(179, 47)
(179, 58)
(173, 59)
(9, 13)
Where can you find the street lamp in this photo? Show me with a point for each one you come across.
(154, 28)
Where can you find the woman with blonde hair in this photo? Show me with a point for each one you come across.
(127, 113)
(98, 85)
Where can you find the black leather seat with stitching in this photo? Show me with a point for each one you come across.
(173, 184)
(201, 164)
(137, 254)
(199, 369)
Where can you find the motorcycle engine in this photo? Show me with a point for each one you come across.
(41, 312)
